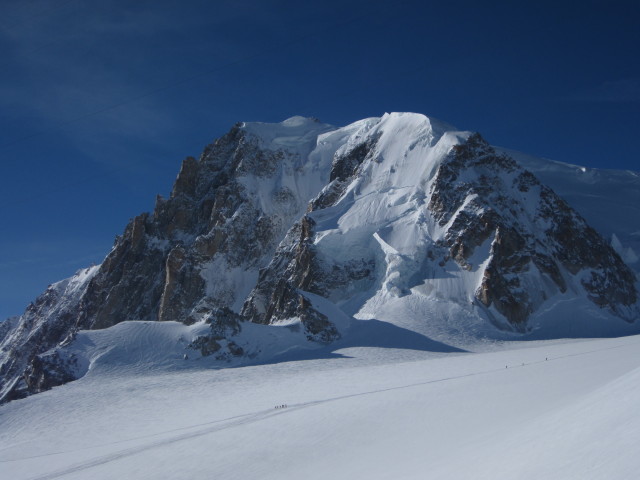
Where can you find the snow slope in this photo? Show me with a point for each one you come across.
(551, 410)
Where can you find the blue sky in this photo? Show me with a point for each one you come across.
(100, 101)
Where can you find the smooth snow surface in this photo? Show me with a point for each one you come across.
(529, 410)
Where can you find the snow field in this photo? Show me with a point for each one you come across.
(364, 412)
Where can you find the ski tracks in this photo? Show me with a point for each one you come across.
(219, 425)
(240, 420)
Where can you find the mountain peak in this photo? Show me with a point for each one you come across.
(283, 235)
(417, 121)
(295, 133)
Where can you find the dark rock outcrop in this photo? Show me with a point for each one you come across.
(485, 196)
(277, 295)
(225, 324)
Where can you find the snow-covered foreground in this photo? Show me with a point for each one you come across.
(562, 409)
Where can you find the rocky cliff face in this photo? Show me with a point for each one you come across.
(296, 265)
(398, 207)
(212, 222)
(539, 245)
(47, 322)
(199, 251)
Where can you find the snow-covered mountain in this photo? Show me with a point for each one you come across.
(299, 234)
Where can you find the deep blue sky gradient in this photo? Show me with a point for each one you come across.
(100, 101)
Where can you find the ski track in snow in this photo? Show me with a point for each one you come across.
(215, 426)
